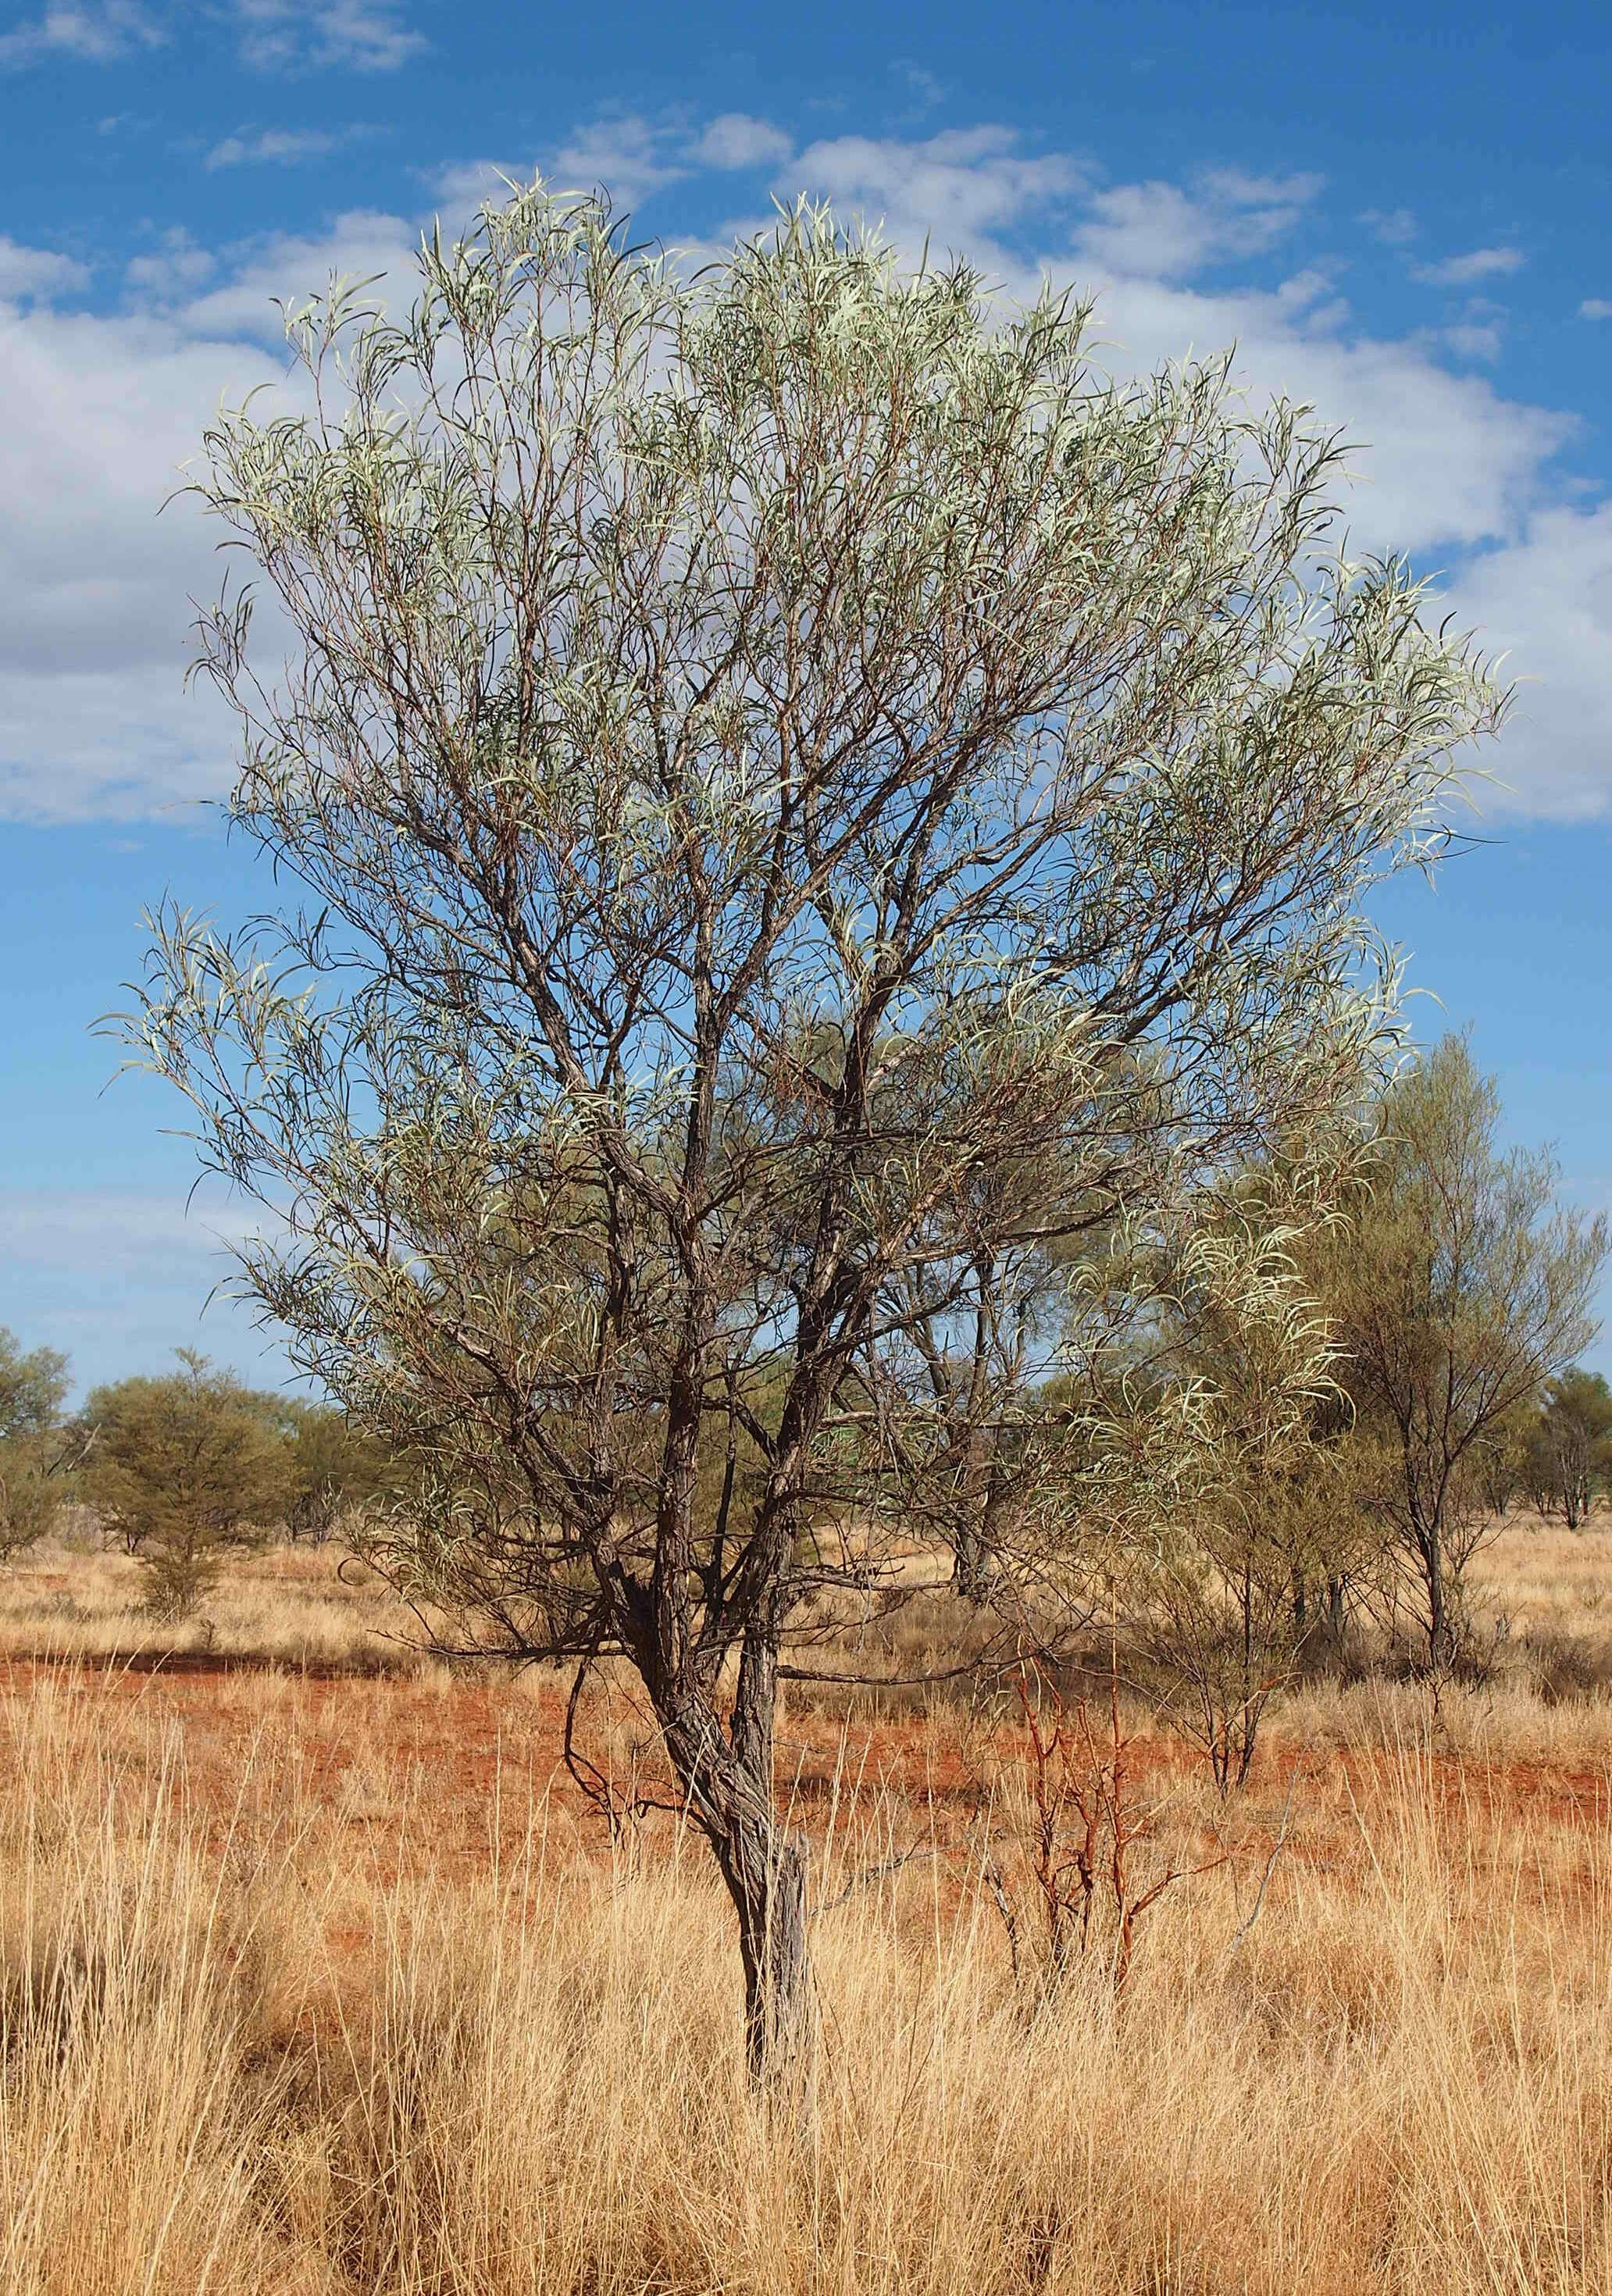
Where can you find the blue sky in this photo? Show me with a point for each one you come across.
(1403, 217)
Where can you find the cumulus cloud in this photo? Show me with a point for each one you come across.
(36, 274)
(629, 155)
(98, 415)
(466, 183)
(176, 266)
(736, 140)
(1595, 307)
(1467, 270)
(1475, 338)
(1442, 460)
(1545, 602)
(956, 189)
(286, 267)
(1160, 231)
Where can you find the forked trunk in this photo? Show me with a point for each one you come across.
(763, 1865)
(765, 1869)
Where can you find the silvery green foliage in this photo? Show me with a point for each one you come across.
(817, 813)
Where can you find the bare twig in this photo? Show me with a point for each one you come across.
(1276, 1846)
(866, 1876)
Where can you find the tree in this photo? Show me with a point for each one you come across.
(1461, 1287)
(331, 1468)
(1217, 1610)
(769, 756)
(33, 1387)
(182, 1468)
(1570, 1445)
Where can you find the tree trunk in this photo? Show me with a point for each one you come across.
(977, 1542)
(729, 1789)
(765, 1869)
(1439, 1646)
(968, 1563)
(1337, 1615)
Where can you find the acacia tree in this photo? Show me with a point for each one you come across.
(182, 1468)
(32, 1389)
(769, 755)
(1214, 1608)
(1569, 1445)
(1460, 1289)
(330, 1470)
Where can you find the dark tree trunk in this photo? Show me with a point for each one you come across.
(968, 1563)
(727, 1778)
(765, 1869)
(1440, 1640)
(1336, 1610)
(977, 1542)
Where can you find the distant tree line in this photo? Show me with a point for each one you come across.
(180, 1469)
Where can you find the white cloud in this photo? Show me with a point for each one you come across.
(955, 189)
(286, 147)
(176, 269)
(626, 155)
(1595, 308)
(466, 183)
(36, 274)
(1158, 231)
(736, 140)
(920, 84)
(1546, 600)
(98, 31)
(287, 267)
(1443, 459)
(629, 157)
(293, 35)
(1467, 270)
(97, 415)
(1475, 338)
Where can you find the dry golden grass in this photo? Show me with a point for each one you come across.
(318, 1985)
(300, 1606)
